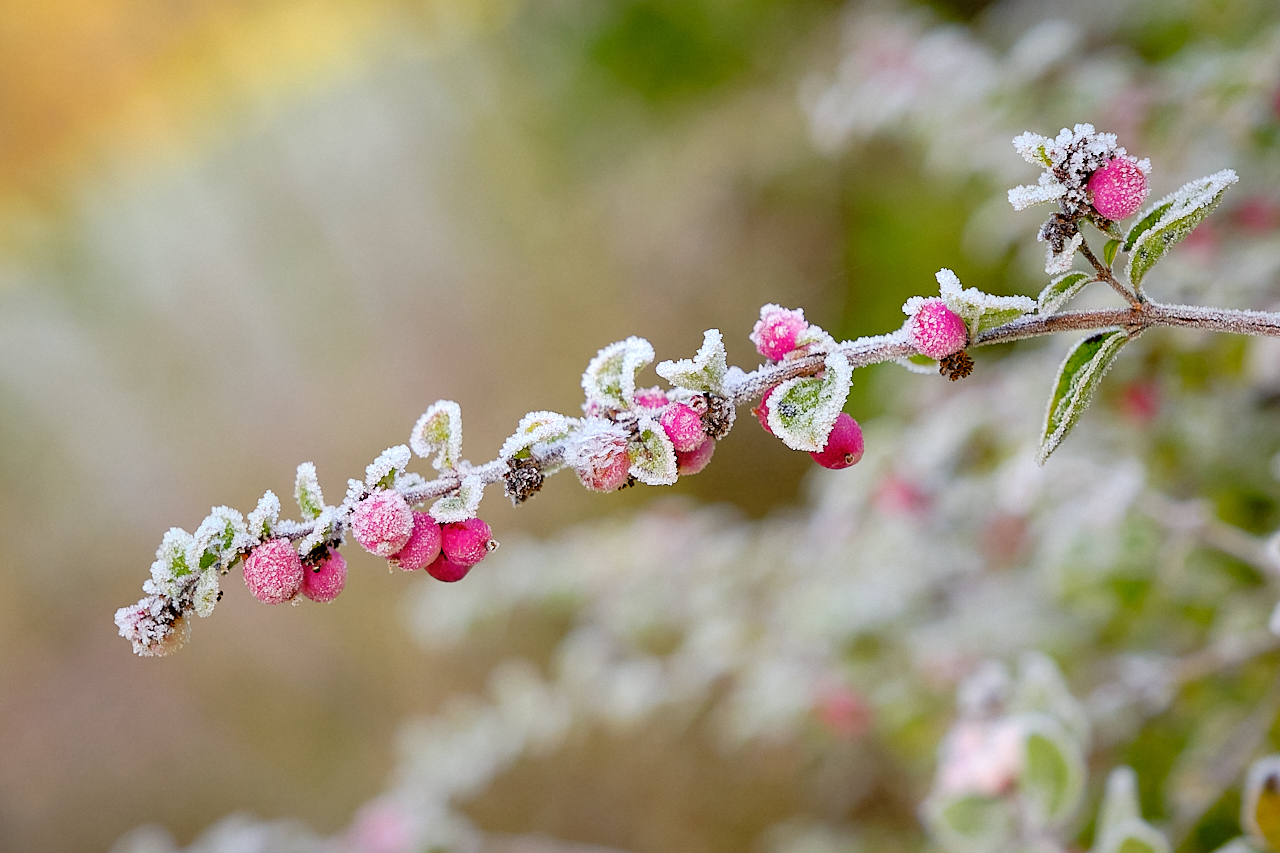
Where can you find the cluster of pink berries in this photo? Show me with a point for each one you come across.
(275, 573)
(384, 525)
(777, 335)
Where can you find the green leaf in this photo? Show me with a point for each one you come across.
(970, 823)
(1109, 251)
(534, 428)
(610, 379)
(439, 431)
(175, 563)
(306, 491)
(1052, 781)
(705, 372)
(1133, 835)
(802, 411)
(1120, 802)
(206, 594)
(1144, 224)
(653, 456)
(1041, 689)
(462, 504)
(1078, 377)
(1060, 291)
(1183, 211)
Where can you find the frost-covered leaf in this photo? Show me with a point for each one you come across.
(174, 566)
(1132, 836)
(802, 411)
(813, 340)
(653, 457)
(1260, 810)
(322, 530)
(219, 537)
(1053, 775)
(381, 472)
(306, 491)
(1060, 291)
(536, 427)
(704, 372)
(1041, 689)
(1034, 148)
(1048, 189)
(1120, 803)
(408, 480)
(439, 431)
(980, 311)
(1183, 211)
(461, 505)
(1078, 377)
(264, 518)
(971, 823)
(206, 594)
(1109, 250)
(610, 378)
(1148, 219)
(1058, 262)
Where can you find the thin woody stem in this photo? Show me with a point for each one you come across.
(1105, 274)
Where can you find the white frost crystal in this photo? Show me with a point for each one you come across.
(439, 431)
(460, 506)
(534, 428)
(265, 517)
(705, 371)
(389, 463)
(610, 379)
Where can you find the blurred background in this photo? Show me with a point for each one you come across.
(236, 235)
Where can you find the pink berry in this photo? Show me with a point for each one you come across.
(442, 569)
(465, 542)
(695, 460)
(273, 571)
(382, 522)
(844, 445)
(1118, 189)
(937, 331)
(323, 582)
(776, 331)
(650, 398)
(423, 545)
(602, 462)
(683, 426)
(762, 411)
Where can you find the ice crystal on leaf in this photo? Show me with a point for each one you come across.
(1059, 260)
(705, 372)
(175, 566)
(610, 378)
(220, 537)
(324, 528)
(1028, 194)
(802, 411)
(653, 456)
(1171, 219)
(463, 504)
(381, 472)
(306, 491)
(534, 428)
(264, 518)
(206, 593)
(439, 431)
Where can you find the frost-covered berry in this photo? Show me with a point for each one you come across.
(443, 569)
(273, 571)
(683, 426)
(650, 398)
(323, 582)
(423, 545)
(937, 331)
(1118, 189)
(465, 542)
(382, 522)
(693, 461)
(776, 331)
(762, 411)
(844, 445)
(600, 457)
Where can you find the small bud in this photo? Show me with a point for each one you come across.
(683, 426)
(1118, 189)
(324, 581)
(442, 569)
(273, 571)
(382, 522)
(762, 411)
(423, 545)
(937, 331)
(776, 331)
(695, 460)
(844, 445)
(465, 543)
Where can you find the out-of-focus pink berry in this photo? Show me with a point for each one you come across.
(844, 445)
(937, 331)
(273, 571)
(762, 411)
(465, 543)
(442, 569)
(650, 398)
(423, 545)
(1118, 189)
(683, 426)
(601, 462)
(1140, 401)
(775, 333)
(695, 460)
(843, 713)
(323, 582)
(382, 522)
